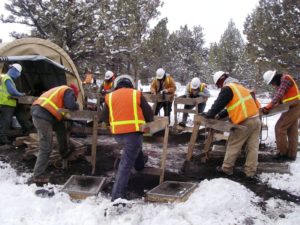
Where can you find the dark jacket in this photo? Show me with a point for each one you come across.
(220, 103)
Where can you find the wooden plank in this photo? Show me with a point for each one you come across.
(190, 101)
(94, 143)
(151, 171)
(207, 144)
(28, 100)
(157, 98)
(273, 167)
(193, 141)
(279, 109)
(79, 115)
(164, 154)
(160, 123)
(219, 125)
(193, 111)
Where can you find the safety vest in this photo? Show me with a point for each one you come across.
(4, 95)
(107, 85)
(125, 113)
(242, 105)
(293, 92)
(201, 88)
(52, 100)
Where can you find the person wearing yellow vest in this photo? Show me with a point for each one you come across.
(286, 128)
(46, 119)
(163, 84)
(126, 110)
(195, 89)
(236, 101)
(7, 104)
(107, 85)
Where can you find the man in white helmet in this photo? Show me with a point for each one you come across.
(195, 89)
(107, 84)
(163, 84)
(7, 104)
(286, 129)
(236, 101)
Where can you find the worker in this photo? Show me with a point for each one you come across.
(286, 128)
(195, 89)
(46, 119)
(89, 77)
(7, 104)
(107, 85)
(236, 101)
(126, 110)
(163, 84)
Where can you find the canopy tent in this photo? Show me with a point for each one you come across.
(45, 65)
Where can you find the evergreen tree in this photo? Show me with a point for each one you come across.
(155, 50)
(102, 34)
(273, 34)
(188, 54)
(231, 47)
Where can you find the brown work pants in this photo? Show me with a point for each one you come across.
(286, 132)
(237, 139)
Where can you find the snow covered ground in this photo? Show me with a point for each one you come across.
(216, 201)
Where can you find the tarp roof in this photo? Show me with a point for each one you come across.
(45, 65)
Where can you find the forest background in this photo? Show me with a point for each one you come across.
(115, 35)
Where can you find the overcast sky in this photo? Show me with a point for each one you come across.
(212, 15)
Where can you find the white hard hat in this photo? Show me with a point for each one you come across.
(195, 83)
(108, 75)
(160, 73)
(268, 76)
(218, 75)
(124, 78)
(17, 67)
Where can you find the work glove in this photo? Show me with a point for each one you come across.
(265, 110)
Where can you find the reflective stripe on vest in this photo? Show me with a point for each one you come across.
(242, 105)
(52, 100)
(4, 94)
(136, 121)
(201, 88)
(293, 92)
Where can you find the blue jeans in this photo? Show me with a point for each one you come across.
(132, 156)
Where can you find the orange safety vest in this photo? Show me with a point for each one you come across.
(293, 92)
(125, 113)
(107, 85)
(201, 88)
(242, 105)
(52, 100)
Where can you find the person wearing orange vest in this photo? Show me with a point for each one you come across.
(236, 101)
(195, 89)
(163, 84)
(107, 85)
(286, 128)
(47, 118)
(126, 110)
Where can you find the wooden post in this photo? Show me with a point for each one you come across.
(175, 113)
(94, 142)
(165, 151)
(193, 140)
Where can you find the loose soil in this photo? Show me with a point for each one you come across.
(176, 169)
